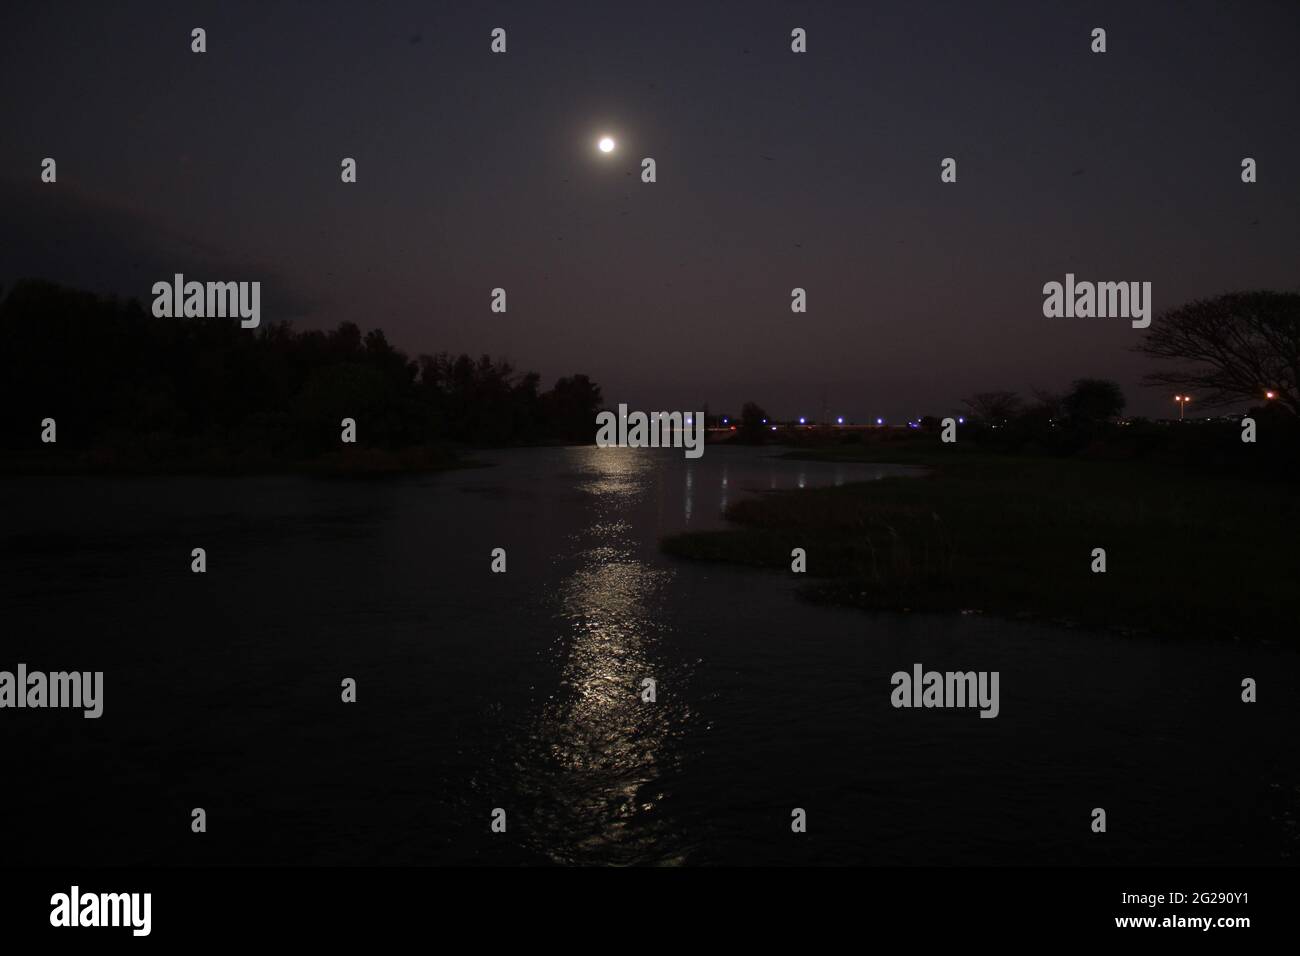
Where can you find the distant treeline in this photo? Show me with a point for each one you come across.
(122, 383)
(1086, 421)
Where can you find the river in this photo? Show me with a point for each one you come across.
(522, 690)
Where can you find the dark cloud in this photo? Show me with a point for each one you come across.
(55, 232)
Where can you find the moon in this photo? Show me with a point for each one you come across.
(606, 144)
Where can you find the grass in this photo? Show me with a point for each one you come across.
(1186, 554)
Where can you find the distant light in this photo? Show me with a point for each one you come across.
(606, 145)
(733, 428)
(840, 420)
(961, 421)
(765, 421)
(1270, 395)
(773, 428)
(802, 420)
(880, 421)
(724, 420)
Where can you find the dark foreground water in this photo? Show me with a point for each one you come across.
(521, 690)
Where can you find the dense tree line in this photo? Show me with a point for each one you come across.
(115, 377)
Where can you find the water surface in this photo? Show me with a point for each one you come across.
(522, 690)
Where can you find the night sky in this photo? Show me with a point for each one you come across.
(775, 170)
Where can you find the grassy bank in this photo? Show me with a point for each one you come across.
(1013, 535)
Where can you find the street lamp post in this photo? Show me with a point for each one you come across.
(1182, 401)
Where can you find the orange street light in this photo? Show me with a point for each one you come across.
(1182, 401)
(1270, 395)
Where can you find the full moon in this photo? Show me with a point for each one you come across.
(606, 144)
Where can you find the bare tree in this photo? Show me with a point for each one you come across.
(993, 406)
(1238, 347)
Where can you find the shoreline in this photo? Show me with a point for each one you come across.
(1013, 536)
(362, 463)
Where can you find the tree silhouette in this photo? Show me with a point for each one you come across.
(994, 407)
(1236, 347)
(753, 424)
(1092, 401)
(127, 384)
(571, 408)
